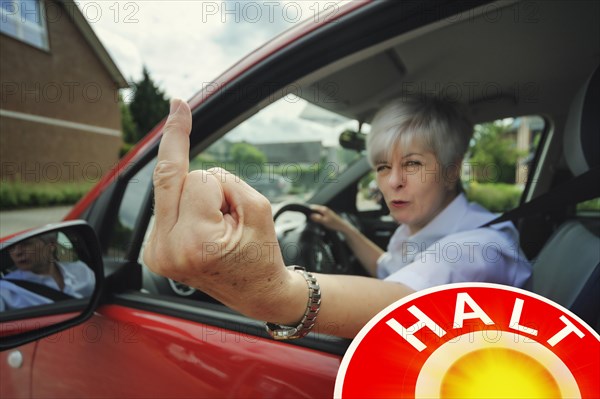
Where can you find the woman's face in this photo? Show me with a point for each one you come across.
(32, 255)
(415, 186)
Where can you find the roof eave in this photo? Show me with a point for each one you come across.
(95, 43)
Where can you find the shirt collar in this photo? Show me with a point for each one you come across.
(443, 224)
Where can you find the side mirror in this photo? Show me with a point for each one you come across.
(351, 140)
(50, 279)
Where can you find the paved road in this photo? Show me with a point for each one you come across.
(15, 221)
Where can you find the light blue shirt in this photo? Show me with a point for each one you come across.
(78, 278)
(453, 249)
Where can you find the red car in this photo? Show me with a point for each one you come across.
(141, 335)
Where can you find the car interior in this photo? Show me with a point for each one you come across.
(502, 60)
(512, 77)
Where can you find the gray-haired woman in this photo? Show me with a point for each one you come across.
(37, 266)
(416, 146)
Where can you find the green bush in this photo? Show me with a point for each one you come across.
(592, 205)
(496, 197)
(125, 148)
(15, 195)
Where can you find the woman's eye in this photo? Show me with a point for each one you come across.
(412, 163)
(381, 168)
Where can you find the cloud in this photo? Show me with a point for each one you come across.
(124, 52)
(249, 24)
(185, 44)
(282, 122)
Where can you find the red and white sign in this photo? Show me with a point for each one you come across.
(473, 340)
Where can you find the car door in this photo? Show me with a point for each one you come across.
(15, 368)
(173, 349)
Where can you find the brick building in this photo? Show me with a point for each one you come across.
(59, 110)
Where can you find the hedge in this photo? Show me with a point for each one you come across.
(496, 197)
(15, 195)
(589, 206)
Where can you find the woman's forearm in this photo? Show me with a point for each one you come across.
(365, 250)
(347, 302)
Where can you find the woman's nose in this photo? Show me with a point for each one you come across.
(396, 178)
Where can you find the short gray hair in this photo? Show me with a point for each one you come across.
(49, 238)
(443, 127)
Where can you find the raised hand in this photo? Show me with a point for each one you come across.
(214, 232)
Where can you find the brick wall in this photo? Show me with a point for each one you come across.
(59, 107)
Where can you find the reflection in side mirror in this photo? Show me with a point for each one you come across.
(44, 269)
(50, 279)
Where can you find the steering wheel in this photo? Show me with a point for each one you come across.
(319, 249)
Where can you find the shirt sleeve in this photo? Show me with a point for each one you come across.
(481, 255)
(79, 279)
(381, 274)
(15, 297)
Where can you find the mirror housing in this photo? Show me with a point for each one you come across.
(353, 140)
(31, 306)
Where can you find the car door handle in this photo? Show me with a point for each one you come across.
(15, 359)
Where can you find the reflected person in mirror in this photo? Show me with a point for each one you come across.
(40, 278)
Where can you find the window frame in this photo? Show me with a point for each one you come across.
(24, 26)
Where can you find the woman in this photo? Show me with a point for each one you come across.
(416, 147)
(37, 268)
(202, 218)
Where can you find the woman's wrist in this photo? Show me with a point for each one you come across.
(289, 304)
(312, 305)
(348, 230)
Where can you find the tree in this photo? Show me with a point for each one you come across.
(244, 154)
(493, 153)
(149, 105)
(128, 127)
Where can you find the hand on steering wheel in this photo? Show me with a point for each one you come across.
(321, 250)
(328, 218)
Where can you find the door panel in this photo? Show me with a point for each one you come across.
(15, 380)
(137, 353)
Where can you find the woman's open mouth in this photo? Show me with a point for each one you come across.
(399, 203)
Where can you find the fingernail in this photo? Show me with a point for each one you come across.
(174, 105)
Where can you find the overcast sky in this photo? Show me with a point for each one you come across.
(185, 44)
